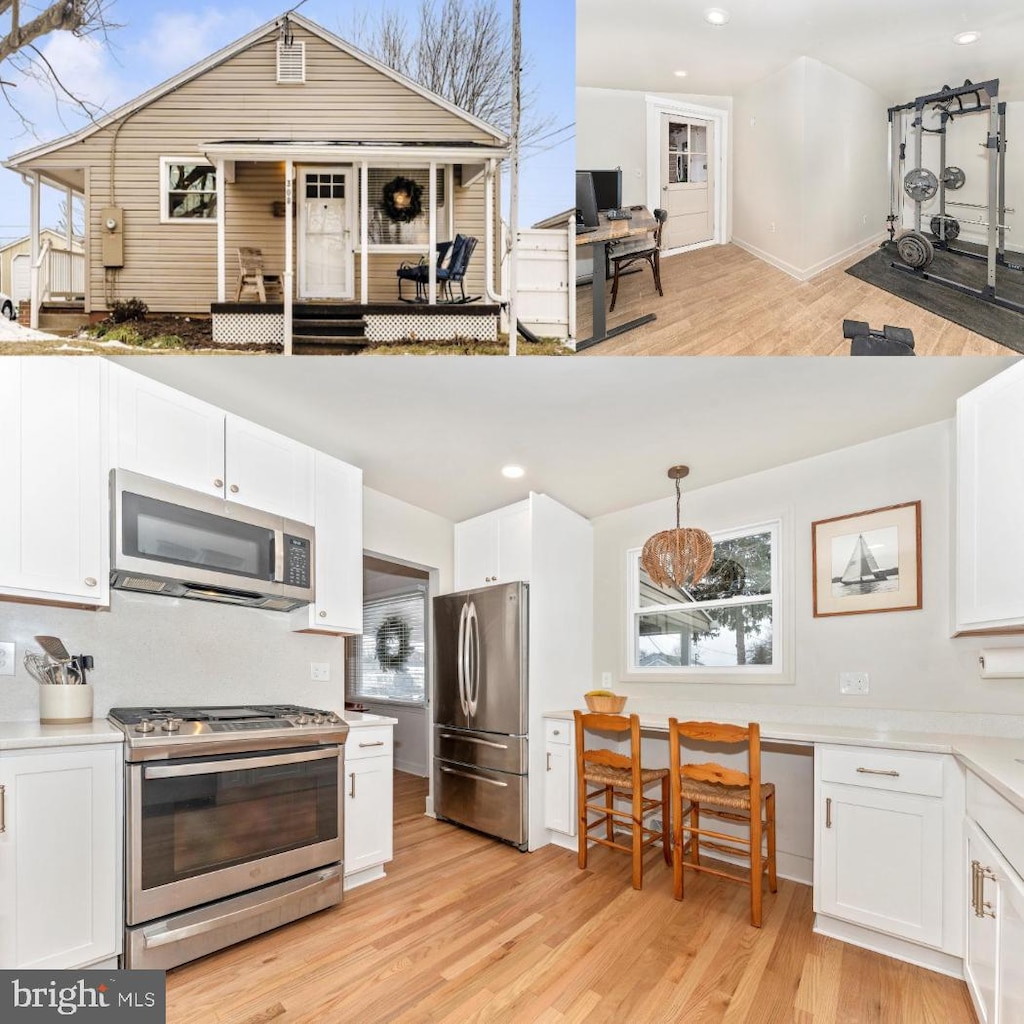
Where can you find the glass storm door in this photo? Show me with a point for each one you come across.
(326, 260)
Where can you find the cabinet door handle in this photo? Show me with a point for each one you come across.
(218, 483)
(549, 761)
(974, 886)
(984, 908)
(90, 581)
(323, 615)
(234, 488)
(376, 743)
(828, 812)
(879, 771)
(352, 789)
(3, 808)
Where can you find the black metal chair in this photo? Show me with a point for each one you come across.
(455, 272)
(624, 254)
(419, 273)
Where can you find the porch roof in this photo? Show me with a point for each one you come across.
(399, 152)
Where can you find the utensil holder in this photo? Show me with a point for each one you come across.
(65, 705)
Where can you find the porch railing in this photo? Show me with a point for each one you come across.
(61, 273)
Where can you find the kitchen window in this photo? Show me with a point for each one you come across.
(388, 661)
(727, 624)
(188, 191)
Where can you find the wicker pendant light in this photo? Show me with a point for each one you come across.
(674, 558)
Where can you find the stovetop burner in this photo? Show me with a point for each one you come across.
(250, 712)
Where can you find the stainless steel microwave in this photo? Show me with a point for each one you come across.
(177, 542)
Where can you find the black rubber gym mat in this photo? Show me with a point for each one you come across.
(1001, 325)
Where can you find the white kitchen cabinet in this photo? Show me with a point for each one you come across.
(164, 433)
(493, 548)
(338, 518)
(559, 777)
(369, 803)
(60, 856)
(54, 545)
(989, 495)
(887, 843)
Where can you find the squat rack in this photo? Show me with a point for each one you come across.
(986, 100)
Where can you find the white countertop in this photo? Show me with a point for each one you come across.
(26, 735)
(992, 759)
(364, 720)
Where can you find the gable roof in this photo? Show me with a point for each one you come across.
(226, 53)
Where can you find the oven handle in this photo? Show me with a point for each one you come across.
(174, 771)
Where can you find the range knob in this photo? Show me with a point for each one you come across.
(332, 717)
(302, 719)
(171, 725)
(318, 719)
(144, 726)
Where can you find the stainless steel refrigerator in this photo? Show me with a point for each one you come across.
(480, 710)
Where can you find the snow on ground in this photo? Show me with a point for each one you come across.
(10, 330)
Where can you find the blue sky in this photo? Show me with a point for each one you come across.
(157, 39)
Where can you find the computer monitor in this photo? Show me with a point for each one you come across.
(608, 188)
(586, 200)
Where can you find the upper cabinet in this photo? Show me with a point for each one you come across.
(54, 544)
(989, 498)
(493, 548)
(171, 436)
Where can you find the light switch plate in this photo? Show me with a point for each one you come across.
(7, 651)
(320, 671)
(606, 679)
(854, 683)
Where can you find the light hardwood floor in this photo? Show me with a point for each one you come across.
(465, 929)
(722, 301)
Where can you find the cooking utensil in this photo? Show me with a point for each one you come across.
(42, 670)
(55, 648)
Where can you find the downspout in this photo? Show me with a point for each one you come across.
(492, 295)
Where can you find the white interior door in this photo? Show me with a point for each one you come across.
(687, 180)
(326, 263)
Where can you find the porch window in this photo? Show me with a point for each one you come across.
(189, 191)
(384, 230)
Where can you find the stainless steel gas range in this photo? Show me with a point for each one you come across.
(233, 824)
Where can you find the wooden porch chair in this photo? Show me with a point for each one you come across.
(251, 275)
(713, 791)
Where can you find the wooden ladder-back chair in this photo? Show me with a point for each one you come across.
(251, 275)
(609, 772)
(713, 791)
(648, 250)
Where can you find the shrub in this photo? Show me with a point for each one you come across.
(124, 333)
(128, 310)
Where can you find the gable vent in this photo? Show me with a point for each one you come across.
(291, 62)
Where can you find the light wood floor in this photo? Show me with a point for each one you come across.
(722, 301)
(465, 929)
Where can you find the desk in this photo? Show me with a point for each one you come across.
(641, 223)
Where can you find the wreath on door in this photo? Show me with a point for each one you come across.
(403, 200)
(393, 643)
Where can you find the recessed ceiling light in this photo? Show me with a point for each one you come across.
(966, 38)
(679, 74)
(512, 472)
(716, 16)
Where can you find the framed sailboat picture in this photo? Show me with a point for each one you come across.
(868, 561)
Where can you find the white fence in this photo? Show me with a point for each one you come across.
(546, 302)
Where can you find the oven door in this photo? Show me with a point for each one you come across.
(203, 828)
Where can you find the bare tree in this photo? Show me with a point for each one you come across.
(19, 52)
(459, 49)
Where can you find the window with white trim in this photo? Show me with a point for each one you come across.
(726, 624)
(383, 228)
(188, 190)
(388, 661)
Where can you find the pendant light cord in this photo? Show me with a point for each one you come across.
(678, 499)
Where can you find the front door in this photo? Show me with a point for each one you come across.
(687, 180)
(326, 263)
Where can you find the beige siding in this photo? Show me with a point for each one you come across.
(173, 267)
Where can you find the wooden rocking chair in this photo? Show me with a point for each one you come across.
(251, 275)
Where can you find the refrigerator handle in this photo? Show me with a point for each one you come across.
(473, 659)
(460, 658)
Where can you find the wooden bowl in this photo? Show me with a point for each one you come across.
(605, 705)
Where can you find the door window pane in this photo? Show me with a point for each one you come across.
(388, 661)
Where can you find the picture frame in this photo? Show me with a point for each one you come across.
(867, 561)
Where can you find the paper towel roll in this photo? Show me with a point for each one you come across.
(1002, 663)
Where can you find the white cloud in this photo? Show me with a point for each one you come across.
(178, 39)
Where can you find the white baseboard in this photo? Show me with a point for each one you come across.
(680, 249)
(358, 878)
(889, 945)
(411, 768)
(806, 273)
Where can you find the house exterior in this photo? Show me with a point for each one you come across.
(283, 141)
(16, 259)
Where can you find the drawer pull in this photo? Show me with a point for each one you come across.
(879, 771)
(352, 777)
(3, 808)
(375, 743)
(828, 812)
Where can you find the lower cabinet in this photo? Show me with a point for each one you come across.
(887, 847)
(559, 777)
(369, 803)
(60, 856)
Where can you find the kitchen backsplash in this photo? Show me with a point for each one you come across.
(158, 650)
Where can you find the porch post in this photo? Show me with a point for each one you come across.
(221, 231)
(34, 296)
(69, 227)
(289, 240)
(364, 232)
(432, 236)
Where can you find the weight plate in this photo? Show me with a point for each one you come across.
(952, 227)
(920, 184)
(915, 250)
(954, 177)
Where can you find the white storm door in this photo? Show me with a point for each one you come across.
(687, 180)
(326, 260)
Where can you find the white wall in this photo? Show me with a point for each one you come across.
(810, 159)
(913, 663)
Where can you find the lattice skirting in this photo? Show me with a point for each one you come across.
(437, 327)
(248, 328)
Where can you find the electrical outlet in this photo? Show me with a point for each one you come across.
(606, 679)
(320, 671)
(6, 659)
(853, 683)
